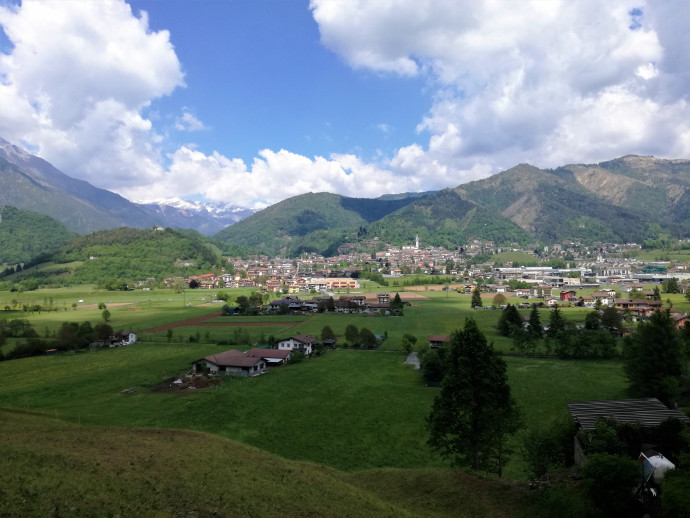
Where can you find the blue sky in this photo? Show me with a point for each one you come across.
(251, 102)
(258, 77)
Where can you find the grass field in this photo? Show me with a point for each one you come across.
(356, 417)
(53, 468)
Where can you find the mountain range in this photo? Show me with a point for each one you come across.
(30, 183)
(628, 199)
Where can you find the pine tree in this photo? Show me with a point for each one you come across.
(535, 328)
(474, 413)
(653, 358)
(476, 298)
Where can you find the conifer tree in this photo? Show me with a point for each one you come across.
(476, 298)
(474, 413)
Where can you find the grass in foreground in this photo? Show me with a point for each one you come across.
(61, 469)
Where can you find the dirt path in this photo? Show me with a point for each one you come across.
(202, 321)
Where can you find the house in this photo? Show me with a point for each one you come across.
(272, 357)
(680, 320)
(231, 363)
(437, 341)
(123, 338)
(300, 343)
(567, 295)
(647, 412)
(384, 298)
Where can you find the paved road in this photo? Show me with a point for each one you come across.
(413, 359)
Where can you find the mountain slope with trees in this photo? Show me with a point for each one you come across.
(24, 235)
(116, 258)
(312, 222)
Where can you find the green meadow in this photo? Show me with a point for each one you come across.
(358, 413)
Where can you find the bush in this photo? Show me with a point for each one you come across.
(610, 480)
(548, 449)
(675, 496)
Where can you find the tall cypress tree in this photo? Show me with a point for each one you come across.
(476, 298)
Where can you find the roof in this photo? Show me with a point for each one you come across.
(305, 339)
(648, 412)
(233, 358)
(438, 338)
(280, 354)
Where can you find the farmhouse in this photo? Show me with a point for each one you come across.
(231, 363)
(438, 341)
(272, 357)
(301, 343)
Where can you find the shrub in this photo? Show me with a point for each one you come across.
(610, 480)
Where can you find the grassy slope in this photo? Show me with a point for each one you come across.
(55, 468)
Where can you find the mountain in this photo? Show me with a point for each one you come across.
(206, 218)
(312, 222)
(628, 199)
(447, 219)
(551, 205)
(24, 235)
(30, 183)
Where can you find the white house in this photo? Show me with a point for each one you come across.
(301, 343)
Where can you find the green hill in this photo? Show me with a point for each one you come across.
(25, 234)
(316, 222)
(53, 468)
(446, 219)
(125, 254)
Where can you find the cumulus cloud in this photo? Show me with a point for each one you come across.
(188, 122)
(544, 82)
(532, 81)
(77, 80)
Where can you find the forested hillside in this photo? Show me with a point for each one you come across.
(25, 234)
(446, 219)
(113, 258)
(316, 222)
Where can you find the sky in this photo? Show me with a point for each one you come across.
(250, 102)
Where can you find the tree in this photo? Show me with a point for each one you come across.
(534, 327)
(612, 320)
(101, 305)
(474, 413)
(653, 358)
(352, 334)
(499, 300)
(367, 338)
(670, 286)
(106, 315)
(476, 297)
(610, 480)
(557, 323)
(327, 333)
(509, 320)
(592, 320)
(169, 335)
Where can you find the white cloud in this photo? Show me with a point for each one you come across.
(544, 82)
(77, 80)
(189, 122)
